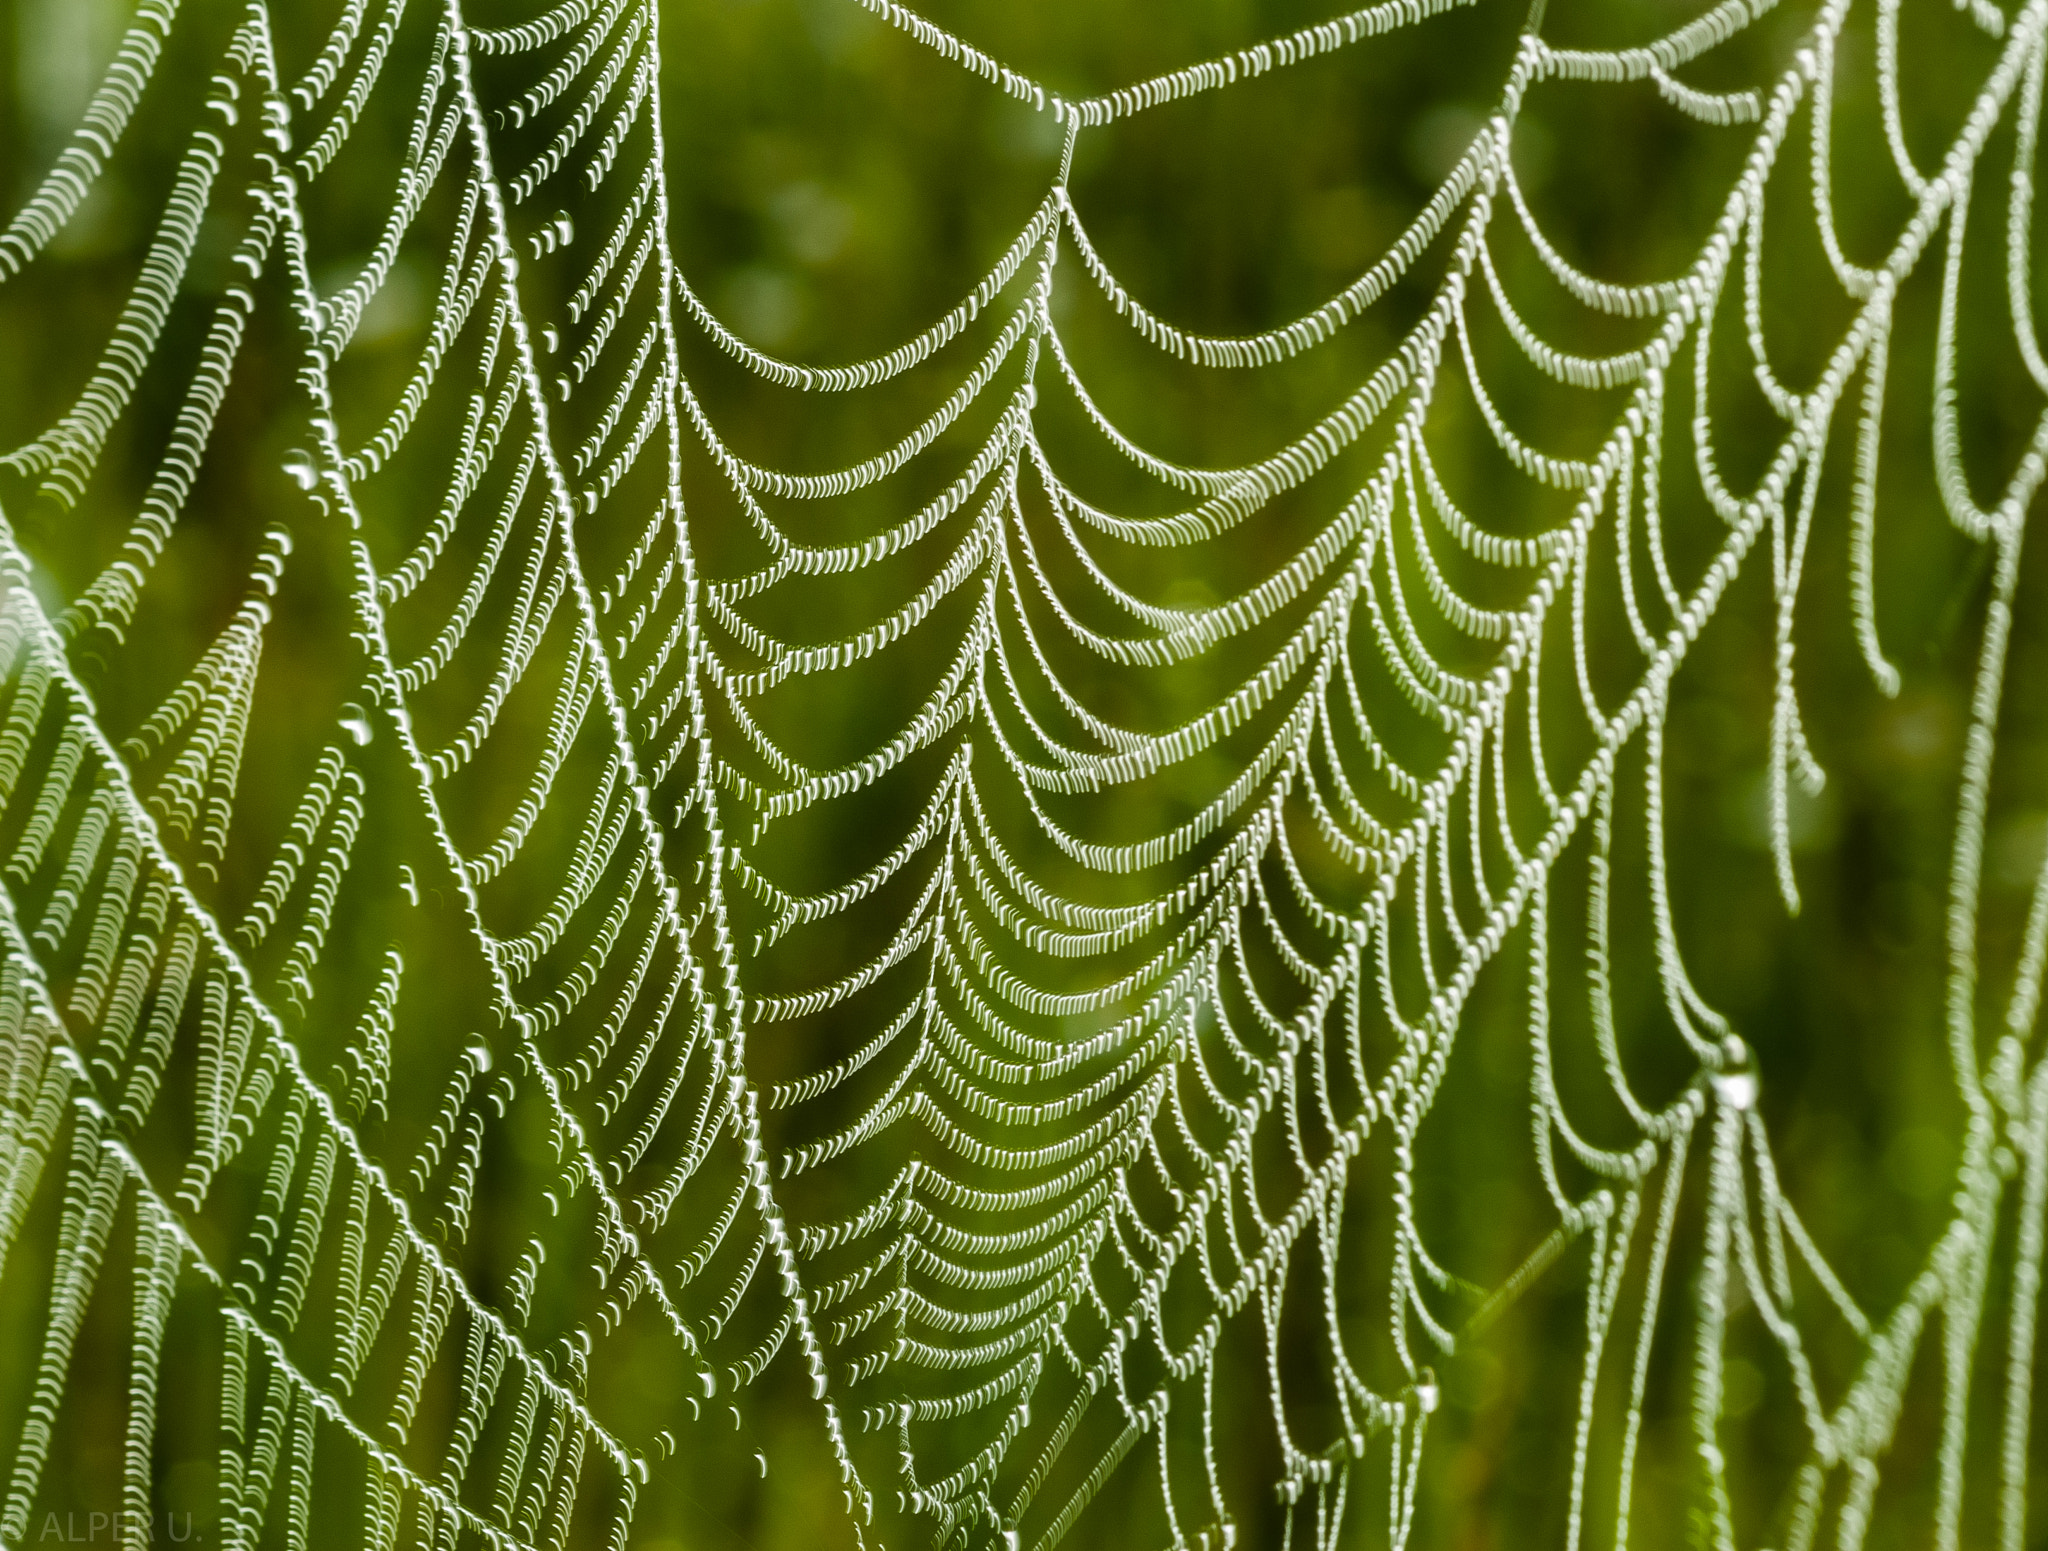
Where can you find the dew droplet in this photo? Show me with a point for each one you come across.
(1736, 1081)
(304, 471)
(1737, 1089)
(1426, 1395)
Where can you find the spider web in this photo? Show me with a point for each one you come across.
(433, 1049)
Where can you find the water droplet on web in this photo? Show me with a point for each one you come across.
(1738, 1089)
(1736, 1081)
(357, 726)
(1426, 1395)
(304, 471)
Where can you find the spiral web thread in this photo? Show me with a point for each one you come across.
(491, 559)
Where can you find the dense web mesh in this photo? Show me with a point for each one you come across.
(537, 1010)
